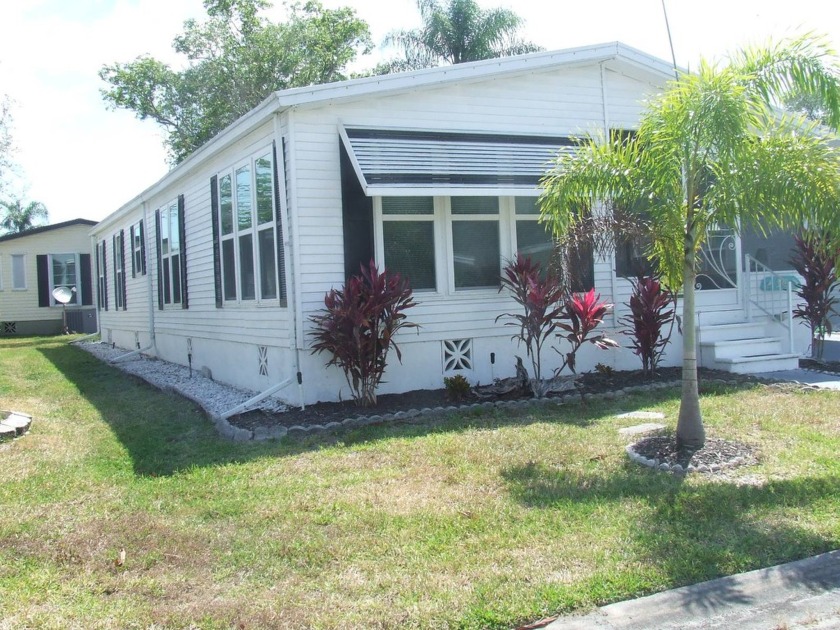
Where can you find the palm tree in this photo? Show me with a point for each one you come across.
(18, 218)
(713, 149)
(456, 32)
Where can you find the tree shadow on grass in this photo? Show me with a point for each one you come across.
(164, 433)
(693, 533)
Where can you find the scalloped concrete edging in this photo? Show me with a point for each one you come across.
(678, 469)
(13, 424)
(239, 434)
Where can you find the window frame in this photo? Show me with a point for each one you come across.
(102, 275)
(22, 259)
(118, 253)
(138, 249)
(77, 294)
(169, 218)
(254, 232)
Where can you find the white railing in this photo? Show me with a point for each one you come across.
(770, 293)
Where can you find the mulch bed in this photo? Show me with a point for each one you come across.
(820, 366)
(715, 455)
(588, 384)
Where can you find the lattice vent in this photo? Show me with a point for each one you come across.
(263, 360)
(457, 355)
(9, 328)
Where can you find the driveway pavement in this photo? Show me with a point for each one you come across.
(797, 595)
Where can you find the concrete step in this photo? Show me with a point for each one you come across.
(731, 332)
(757, 364)
(15, 421)
(741, 347)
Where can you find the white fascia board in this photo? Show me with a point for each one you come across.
(450, 191)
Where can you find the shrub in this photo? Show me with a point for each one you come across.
(547, 308)
(358, 326)
(651, 310)
(457, 387)
(541, 298)
(585, 312)
(817, 264)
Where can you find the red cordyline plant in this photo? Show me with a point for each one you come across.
(817, 264)
(651, 310)
(358, 327)
(547, 307)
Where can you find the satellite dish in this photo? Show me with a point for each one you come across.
(63, 295)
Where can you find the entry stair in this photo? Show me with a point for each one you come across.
(743, 347)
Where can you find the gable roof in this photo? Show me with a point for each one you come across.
(621, 54)
(46, 228)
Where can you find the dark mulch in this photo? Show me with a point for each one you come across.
(587, 384)
(715, 454)
(822, 366)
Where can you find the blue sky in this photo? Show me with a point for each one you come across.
(82, 160)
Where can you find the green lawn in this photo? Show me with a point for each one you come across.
(475, 520)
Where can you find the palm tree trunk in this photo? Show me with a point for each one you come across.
(690, 432)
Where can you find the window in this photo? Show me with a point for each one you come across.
(102, 285)
(119, 271)
(408, 236)
(169, 254)
(476, 252)
(18, 271)
(532, 238)
(247, 232)
(64, 272)
(138, 249)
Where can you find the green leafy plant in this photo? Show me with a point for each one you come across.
(603, 368)
(547, 309)
(815, 261)
(358, 327)
(457, 387)
(652, 308)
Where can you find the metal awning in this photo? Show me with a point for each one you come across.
(403, 162)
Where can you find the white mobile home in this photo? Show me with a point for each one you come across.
(36, 262)
(432, 173)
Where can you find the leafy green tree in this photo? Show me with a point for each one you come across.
(16, 217)
(236, 59)
(712, 149)
(455, 32)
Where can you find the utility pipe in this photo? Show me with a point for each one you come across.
(249, 404)
(130, 354)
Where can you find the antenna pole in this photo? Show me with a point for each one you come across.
(670, 41)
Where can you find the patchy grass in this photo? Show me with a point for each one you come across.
(472, 521)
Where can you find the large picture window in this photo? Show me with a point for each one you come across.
(247, 229)
(476, 251)
(408, 234)
(18, 271)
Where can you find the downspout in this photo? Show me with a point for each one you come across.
(289, 200)
(605, 111)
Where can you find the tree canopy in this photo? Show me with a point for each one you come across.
(456, 31)
(15, 217)
(235, 59)
(713, 149)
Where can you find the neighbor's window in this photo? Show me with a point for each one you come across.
(18, 271)
(475, 242)
(248, 232)
(64, 272)
(408, 235)
(170, 254)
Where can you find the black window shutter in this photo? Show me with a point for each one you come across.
(142, 229)
(281, 250)
(182, 233)
(122, 260)
(42, 264)
(87, 281)
(159, 261)
(131, 248)
(217, 257)
(105, 273)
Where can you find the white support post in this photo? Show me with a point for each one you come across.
(790, 314)
(248, 404)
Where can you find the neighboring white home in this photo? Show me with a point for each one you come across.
(432, 173)
(33, 264)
